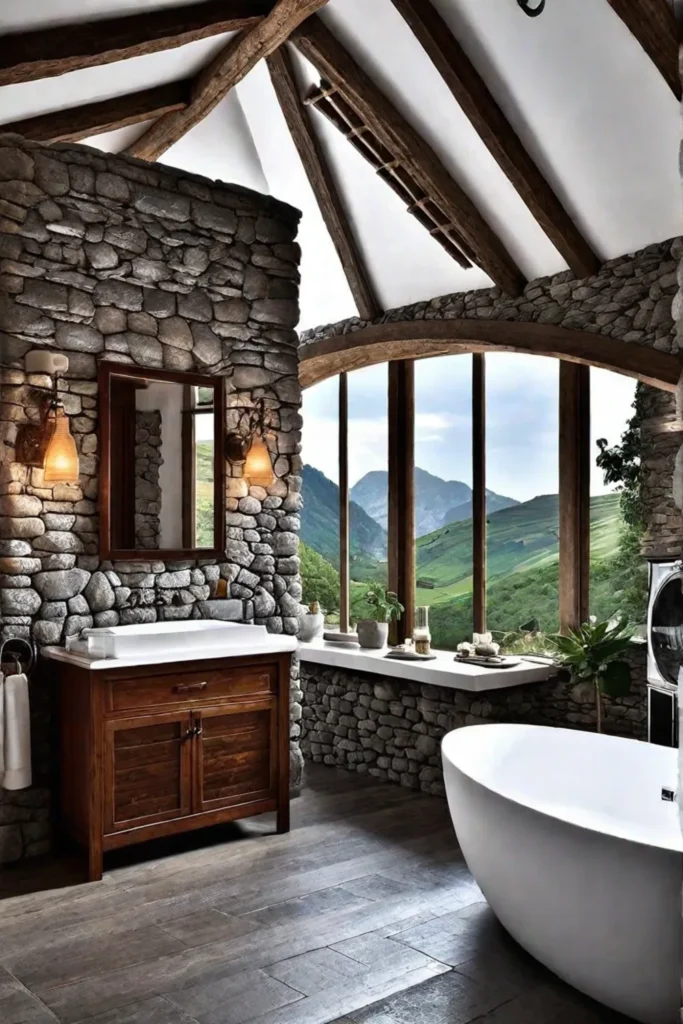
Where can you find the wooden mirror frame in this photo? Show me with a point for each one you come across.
(109, 370)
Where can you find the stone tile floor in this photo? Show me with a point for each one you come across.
(364, 914)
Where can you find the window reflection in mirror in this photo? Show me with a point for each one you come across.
(162, 464)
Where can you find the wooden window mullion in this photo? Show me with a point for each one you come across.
(344, 585)
(479, 493)
(401, 540)
(574, 498)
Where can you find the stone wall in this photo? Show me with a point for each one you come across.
(630, 298)
(661, 440)
(392, 729)
(104, 257)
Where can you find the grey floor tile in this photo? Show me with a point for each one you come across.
(19, 1006)
(152, 1011)
(312, 972)
(207, 926)
(335, 898)
(459, 936)
(377, 887)
(235, 999)
(63, 963)
(448, 999)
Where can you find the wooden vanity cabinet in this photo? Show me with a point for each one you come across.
(159, 749)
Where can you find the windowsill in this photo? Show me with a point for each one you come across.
(443, 671)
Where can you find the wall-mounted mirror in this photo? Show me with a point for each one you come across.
(162, 470)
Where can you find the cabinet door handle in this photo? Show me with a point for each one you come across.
(189, 733)
(198, 730)
(188, 687)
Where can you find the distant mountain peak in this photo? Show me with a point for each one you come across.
(438, 502)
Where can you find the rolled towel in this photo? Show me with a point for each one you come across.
(17, 733)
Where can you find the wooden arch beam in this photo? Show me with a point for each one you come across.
(421, 339)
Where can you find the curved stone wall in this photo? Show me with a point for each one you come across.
(629, 299)
(103, 257)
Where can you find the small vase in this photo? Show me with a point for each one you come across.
(372, 635)
(311, 626)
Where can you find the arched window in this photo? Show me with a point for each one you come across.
(513, 527)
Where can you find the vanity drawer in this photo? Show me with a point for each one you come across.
(201, 686)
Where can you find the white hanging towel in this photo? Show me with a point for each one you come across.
(2, 727)
(17, 733)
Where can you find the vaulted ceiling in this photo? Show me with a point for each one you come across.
(521, 146)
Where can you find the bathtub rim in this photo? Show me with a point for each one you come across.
(624, 834)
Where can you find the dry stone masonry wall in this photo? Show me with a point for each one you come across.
(630, 299)
(392, 729)
(103, 257)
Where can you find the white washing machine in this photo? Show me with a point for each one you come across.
(664, 650)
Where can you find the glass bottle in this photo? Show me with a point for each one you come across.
(421, 634)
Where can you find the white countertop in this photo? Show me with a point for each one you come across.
(273, 643)
(443, 671)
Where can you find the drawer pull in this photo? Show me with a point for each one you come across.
(189, 687)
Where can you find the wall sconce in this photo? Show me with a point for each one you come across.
(250, 450)
(48, 445)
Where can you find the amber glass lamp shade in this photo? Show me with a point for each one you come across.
(61, 457)
(258, 469)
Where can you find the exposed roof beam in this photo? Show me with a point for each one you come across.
(653, 24)
(335, 64)
(45, 52)
(230, 66)
(107, 115)
(322, 183)
(496, 132)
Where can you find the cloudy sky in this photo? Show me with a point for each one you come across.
(522, 421)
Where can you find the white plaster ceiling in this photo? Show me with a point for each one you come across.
(589, 105)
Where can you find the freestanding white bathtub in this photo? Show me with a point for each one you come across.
(577, 854)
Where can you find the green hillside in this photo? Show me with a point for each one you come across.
(320, 521)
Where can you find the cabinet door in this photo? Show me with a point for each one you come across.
(236, 754)
(148, 770)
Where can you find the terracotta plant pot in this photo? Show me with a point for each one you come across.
(372, 635)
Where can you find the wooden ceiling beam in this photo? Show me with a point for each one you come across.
(420, 339)
(321, 181)
(473, 96)
(337, 66)
(46, 52)
(230, 66)
(105, 116)
(653, 24)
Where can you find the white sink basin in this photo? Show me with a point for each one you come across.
(183, 638)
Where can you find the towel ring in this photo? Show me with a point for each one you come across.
(22, 652)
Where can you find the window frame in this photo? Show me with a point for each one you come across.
(574, 493)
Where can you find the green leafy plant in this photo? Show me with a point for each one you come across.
(384, 604)
(594, 653)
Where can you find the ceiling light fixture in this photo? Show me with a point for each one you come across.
(529, 8)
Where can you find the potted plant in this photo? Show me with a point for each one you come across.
(373, 633)
(311, 622)
(594, 653)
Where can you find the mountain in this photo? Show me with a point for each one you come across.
(494, 503)
(437, 502)
(320, 521)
